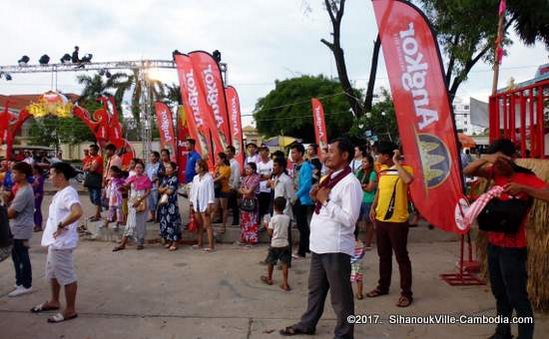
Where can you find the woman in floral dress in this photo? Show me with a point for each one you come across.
(249, 219)
(168, 212)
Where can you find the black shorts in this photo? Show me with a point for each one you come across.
(279, 253)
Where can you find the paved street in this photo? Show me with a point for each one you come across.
(192, 294)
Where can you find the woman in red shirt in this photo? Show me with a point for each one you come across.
(507, 253)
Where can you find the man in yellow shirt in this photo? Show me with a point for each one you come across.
(389, 214)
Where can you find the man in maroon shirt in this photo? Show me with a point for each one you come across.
(507, 253)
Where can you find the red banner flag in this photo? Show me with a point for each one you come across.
(423, 111)
(199, 121)
(164, 123)
(236, 123)
(209, 77)
(182, 135)
(319, 123)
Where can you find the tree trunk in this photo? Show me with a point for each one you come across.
(372, 80)
(336, 14)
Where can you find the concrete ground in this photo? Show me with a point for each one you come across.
(192, 294)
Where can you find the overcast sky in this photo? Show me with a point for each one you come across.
(259, 40)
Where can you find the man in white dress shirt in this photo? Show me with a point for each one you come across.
(332, 243)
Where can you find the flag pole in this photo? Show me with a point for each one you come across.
(498, 51)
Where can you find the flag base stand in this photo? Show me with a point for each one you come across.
(467, 268)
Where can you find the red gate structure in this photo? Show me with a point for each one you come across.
(520, 114)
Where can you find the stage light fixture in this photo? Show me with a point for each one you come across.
(217, 55)
(23, 61)
(174, 53)
(108, 74)
(66, 59)
(7, 76)
(102, 72)
(44, 59)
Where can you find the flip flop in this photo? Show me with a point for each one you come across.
(375, 293)
(118, 248)
(292, 330)
(266, 280)
(172, 248)
(58, 318)
(43, 307)
(207, 249)
(196, 247)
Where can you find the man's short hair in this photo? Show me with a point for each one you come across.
(191, 141)
(110, 147)
(231, 148)
(24, 168)
(94, 146)
(344, 145)
(156, 154)
(298, 147)
(279, 204)
(280, 161)
(251, 144)
(315, 148)
(264, 148)
(386, 148)
(165, 150)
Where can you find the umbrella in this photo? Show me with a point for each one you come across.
(466, 141)
(279, 141)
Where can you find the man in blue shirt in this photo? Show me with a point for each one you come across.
(302, 202)
(192, 158)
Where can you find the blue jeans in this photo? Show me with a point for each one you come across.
(153, 201)
(95, 195)
(22, 263)
(508, 279)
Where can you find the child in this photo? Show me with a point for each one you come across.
(280, 247)
(356, 260)
(114, 196)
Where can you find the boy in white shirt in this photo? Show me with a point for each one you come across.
(280, 247)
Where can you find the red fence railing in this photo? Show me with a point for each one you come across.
(520, 114)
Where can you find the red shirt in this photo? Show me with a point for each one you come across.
(86, 159)
(517, 240)
(99, 161)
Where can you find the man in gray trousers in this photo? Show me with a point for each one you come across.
(332, 243)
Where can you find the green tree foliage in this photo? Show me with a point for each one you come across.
(381, 121)
(53, 131)
(467, 30)
(287, 108)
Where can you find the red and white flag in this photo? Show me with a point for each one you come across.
(423, 111)
(319, 123)
(235, 123)
(209, 77)
(164, 123)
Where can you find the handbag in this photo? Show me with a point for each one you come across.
(163, 199)
(192, 226)
(504, 216)
(248, 205)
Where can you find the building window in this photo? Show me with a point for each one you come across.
(466, 107)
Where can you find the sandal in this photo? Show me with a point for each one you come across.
(172, 248)
(196, 247)
(404, 301)
(266, 280)
(292, 330)
(207, 249)
(359, 296)
(44, 307)
(58, 318)
(118, 248)
(375, 293)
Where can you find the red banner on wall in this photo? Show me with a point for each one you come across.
(209, 77)
(235, 123)
(199, 121)
(164, 123)
(319, 123)
(423, 111)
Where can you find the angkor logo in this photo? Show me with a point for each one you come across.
(435, 160)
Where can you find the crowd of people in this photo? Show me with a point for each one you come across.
(339, 198)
